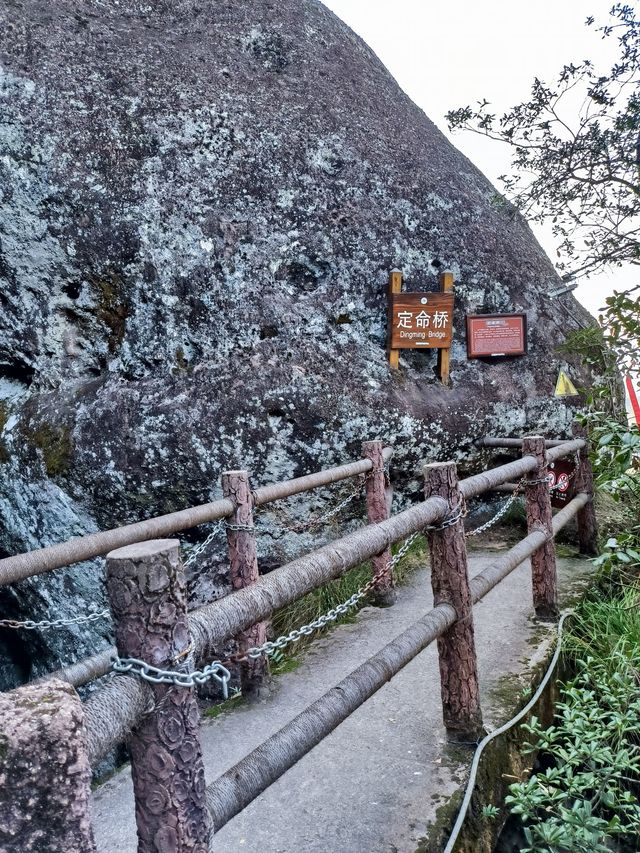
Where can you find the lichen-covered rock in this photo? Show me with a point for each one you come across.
(199, 206)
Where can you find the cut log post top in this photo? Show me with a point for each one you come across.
(45, 776)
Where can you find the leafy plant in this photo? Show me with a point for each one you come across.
(574, 152)
(585, 797)
(616, 455)
(490, 812)
(606, 392)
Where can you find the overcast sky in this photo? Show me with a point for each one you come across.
(450, 54)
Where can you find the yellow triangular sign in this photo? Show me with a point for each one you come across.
(564, 386)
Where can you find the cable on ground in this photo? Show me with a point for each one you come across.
(501, 730)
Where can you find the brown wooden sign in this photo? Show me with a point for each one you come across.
(421, 320)
(490, 335)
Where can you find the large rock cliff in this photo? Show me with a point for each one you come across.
(199, 206)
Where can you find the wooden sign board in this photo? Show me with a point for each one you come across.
(562, 476)
(421, 320)
(491, 335)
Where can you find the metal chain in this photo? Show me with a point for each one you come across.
(195, 552)
(549, 477)
(459, 513)
(499, 514)
(311, 523)
(570, 476)
(215, 671)
(296, 528)
(517, 493)
(272, 646)
(30, 625)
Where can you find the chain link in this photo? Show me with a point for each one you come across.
(215, 671)
(30, 625)
(312, 523)
(570, 476)
(518, 493)
(300, 527)
(459, 513)
(273, 646)
(195, 552)
(549, 478)
(500, 513)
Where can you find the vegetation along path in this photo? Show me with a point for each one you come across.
(377, 783)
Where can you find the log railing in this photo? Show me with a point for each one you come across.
(21, 566)
(146, 591)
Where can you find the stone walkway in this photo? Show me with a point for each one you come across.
(376, 783)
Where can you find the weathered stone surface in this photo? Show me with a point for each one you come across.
(44, 771)
(199, 206)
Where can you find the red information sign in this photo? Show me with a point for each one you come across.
(496, 334)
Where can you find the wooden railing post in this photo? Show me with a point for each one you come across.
(587, 522)
(45, 793)
(148, 599)
(449, 579)
(539, 517)
(384, 594)
(243, 565)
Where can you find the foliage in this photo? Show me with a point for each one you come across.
(576, 157)
(490, 812)
(576, 152)
(615, 456)
(607, 621)
(620, 321)
(584, 798)
(606, 391)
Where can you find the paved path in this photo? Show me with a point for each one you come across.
(374, 785)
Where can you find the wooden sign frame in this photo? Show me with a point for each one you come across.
(394, 293)
(428, 320)
(503, 348)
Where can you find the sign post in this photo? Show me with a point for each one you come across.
(446, 286)
(421, 321)
(395, 286)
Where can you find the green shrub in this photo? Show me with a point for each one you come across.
(586, 797)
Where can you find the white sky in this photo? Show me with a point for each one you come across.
(447, 54)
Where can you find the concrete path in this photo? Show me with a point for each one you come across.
(375, 784)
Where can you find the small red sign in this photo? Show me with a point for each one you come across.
(492, 335)
(562, 480)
